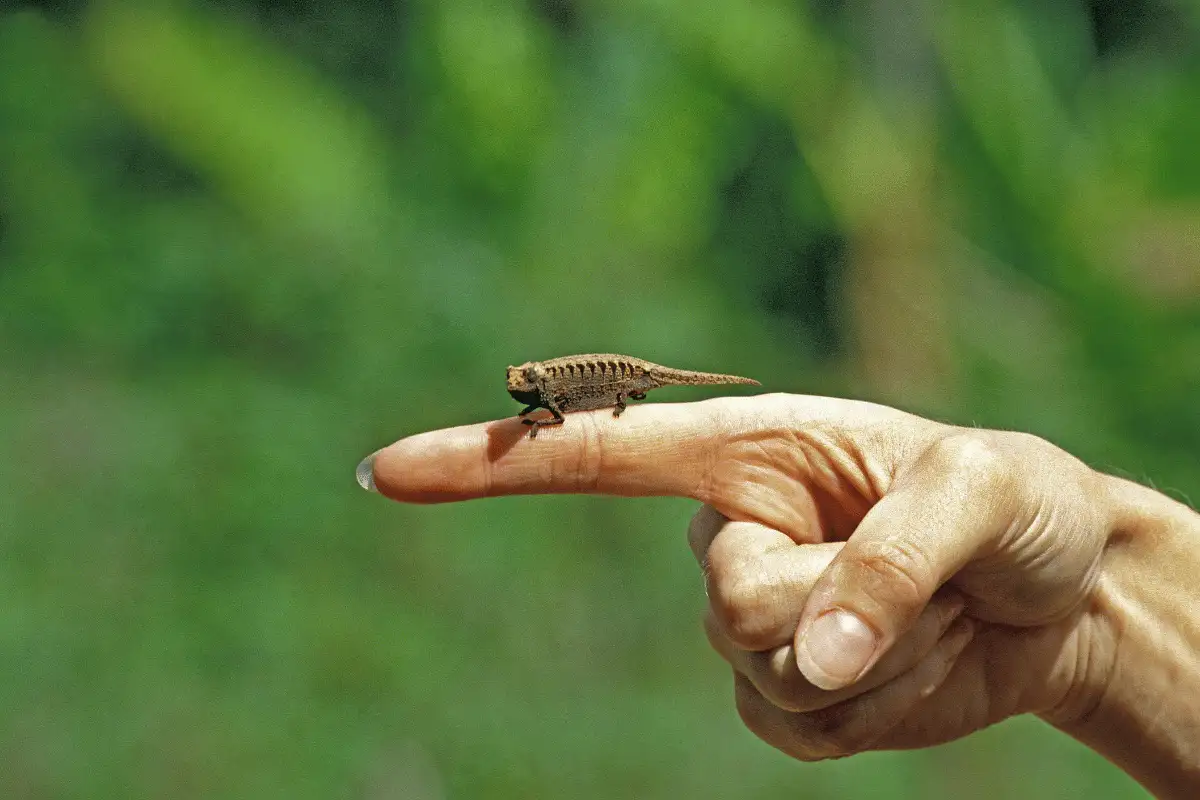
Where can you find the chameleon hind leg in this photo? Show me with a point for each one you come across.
(621, 403)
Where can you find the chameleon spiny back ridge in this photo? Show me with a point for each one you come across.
(597, 380)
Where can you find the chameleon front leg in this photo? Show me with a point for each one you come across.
(528, 410)
(541, 423)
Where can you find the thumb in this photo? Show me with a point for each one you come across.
(932, 521)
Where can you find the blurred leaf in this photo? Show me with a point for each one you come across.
(279, 142)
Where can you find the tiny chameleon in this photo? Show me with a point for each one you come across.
(596, 380)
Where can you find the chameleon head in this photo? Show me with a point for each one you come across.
(522, 378)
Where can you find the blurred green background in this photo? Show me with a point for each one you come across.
(243, 244)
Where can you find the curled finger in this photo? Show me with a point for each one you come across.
(854, 725)
(777, 677)
(756, 577)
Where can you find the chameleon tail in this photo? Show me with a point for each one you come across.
(682, 377)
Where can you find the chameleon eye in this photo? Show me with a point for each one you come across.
(531, 374)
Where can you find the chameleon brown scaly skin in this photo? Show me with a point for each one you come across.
(596, 380)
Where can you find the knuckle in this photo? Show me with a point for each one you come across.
(762, 719)
(750, 711)
(756, 714)
(832, 732)
(839, 731)
(583, 466)
(981, 456)
(779, 680)
(791, 696)
(898, 573)
(742, 610)
(788, 688)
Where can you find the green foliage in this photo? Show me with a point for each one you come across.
(244, 244)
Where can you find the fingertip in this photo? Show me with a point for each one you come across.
(433, 467)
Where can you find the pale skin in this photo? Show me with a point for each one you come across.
(878, 581)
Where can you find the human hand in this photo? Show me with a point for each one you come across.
(1004, 522)
(1013, 529)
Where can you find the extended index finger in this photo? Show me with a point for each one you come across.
(659, 449)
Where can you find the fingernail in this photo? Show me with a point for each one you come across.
(365, 473)
(835, 649)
